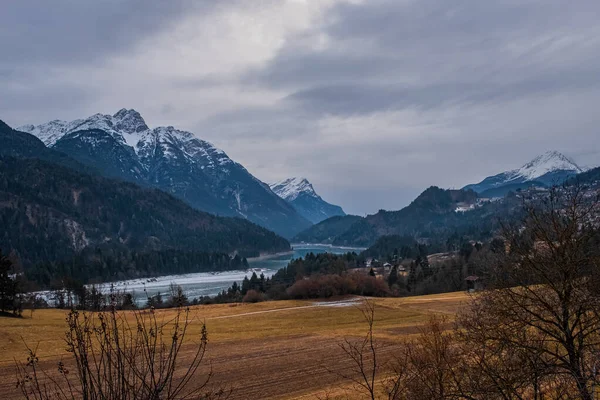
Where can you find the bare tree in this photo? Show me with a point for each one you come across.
(428, 367)
(542, 308)
(534, 333)
(363, 355)
(114, 358)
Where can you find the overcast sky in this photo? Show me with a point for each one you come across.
(372, 101)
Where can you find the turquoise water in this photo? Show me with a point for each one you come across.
(300, 250)
(210, 284)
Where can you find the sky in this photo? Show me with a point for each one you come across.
(372, 101)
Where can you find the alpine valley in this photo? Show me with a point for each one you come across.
(107, 198)
(122, 146)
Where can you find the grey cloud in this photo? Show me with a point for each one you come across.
(400, 95)
(81, 31)
(295, 66)
(430, 53)
(363, 98)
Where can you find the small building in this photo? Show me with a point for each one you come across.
(387, 267)
(473, 283)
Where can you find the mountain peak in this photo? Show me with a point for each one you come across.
(299, 192)
(549, 168)
(289, 189)
(129, 121)
(550, 161)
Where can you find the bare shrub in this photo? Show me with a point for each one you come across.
(253, 296)
(425, 368)
(323, 286)
(363, 355)
(113, 358)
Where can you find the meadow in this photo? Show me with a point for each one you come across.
(270, 350)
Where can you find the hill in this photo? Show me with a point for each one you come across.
(326, 231)
(433, 216)
(591, 176)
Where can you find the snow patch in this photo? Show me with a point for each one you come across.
(289, 189)
(541, 165)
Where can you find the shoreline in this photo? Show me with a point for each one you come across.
(270, 255)
(296, 246)
(328, 245)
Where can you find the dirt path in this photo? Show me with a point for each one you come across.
(344, 303)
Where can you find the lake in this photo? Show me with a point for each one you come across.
(210, 284)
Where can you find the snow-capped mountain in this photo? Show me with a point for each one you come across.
(289, 189)
(299, 192)
(547, 169)
(123, 146)
(124, 126)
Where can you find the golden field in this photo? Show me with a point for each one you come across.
(271, 350)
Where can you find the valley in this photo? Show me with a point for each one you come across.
(294, 199)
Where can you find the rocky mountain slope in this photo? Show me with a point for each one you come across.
(299, 192)
(123, 146)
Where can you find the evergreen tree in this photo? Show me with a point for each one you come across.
(128, 302)
(371, 272)
(178, 297)
(8, 287)
(245, 285)
(234, 289)
(393, 278)
(254, 282)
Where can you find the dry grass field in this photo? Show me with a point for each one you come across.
(271, 350)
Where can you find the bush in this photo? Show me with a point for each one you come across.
(252, 296)
(324, 286)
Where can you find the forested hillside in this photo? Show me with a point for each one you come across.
(326, 231)
(433, 216)
(49, 212)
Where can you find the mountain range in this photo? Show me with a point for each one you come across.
(299, 192)
(548, 169)
(432, 211)
(122, 146)
(52, 207)
(437, 214)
